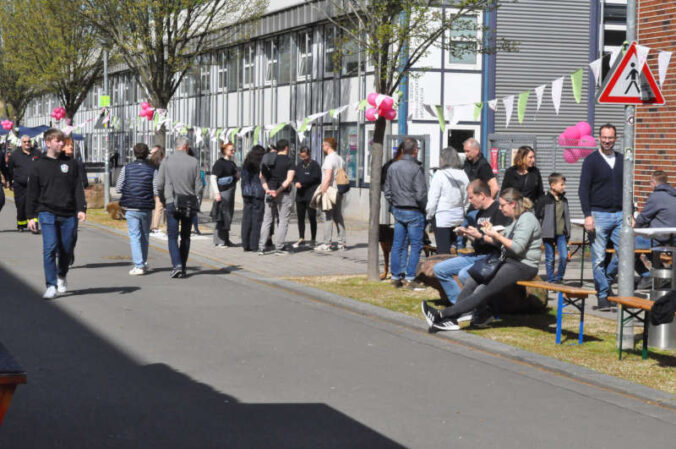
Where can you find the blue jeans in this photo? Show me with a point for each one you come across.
(179, 255)
(58, 236)
(408, 224)
(444, 271)
(551, 245)
(138, 228)
(606, 227)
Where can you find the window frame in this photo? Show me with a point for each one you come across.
(248, 64)
(302, 58)
(270, 76)
(477, 65)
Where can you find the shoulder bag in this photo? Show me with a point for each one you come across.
(484, 269)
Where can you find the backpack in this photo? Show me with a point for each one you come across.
(342, 181)
(267, 163)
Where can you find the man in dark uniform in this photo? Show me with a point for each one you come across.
(19, 168)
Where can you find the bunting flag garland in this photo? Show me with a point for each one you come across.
(521, 107)
(334, 113)
(508, 102)
(539, 93)
(277, 128)
(613, 57)
(663, 59)
(478, 107)
(244, 131)
(257, 134)
(557, 88)
(576, 80)
(493, 104)
(362, 104)
(642, 56)
(595, 67)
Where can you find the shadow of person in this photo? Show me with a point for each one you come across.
(100, 291)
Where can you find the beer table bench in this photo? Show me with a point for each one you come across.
(568, 296)
(11, 375)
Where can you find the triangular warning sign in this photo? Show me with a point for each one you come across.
(626, 85)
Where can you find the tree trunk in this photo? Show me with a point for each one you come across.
(373, 269)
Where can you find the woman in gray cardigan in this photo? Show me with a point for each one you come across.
(522, 250)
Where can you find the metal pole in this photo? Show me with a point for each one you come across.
(626, 253)
(106, 163)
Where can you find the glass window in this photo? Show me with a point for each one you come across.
(205, 73)
(350, 59)
(248, 66)
(349, 149)
(285, 73)
(463, 40)
(304, 54)
(233, 72)
(222, 69)
(329, 49)
(271, 61)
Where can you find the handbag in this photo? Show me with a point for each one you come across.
(484, 269)
(185, 206)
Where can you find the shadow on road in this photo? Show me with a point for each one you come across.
(84, 392)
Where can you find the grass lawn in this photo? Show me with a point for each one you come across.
(534, 333)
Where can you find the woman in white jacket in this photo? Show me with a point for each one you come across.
(447, 199)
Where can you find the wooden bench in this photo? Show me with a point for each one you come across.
(568, 296)
(636, 251)
(11, 375)
(634, 306)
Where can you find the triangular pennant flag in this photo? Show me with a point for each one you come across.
(539, 93)
(256, 136)
(334, 113)
(521, 107)
(277, 128)
(642, 55)
(233, 133)
(595, 67)
(613, 57)
(576, 80)
(508, 102)
(244, 131)
(663, 59)
(478, 107)
(557, 89)
(198, 137)
(362, 104)
(440, 116)
(493, 104)
(303, 127)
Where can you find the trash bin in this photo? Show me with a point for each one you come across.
(663, 280)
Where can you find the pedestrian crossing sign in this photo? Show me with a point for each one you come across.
(628, 84)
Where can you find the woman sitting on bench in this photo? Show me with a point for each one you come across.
(521, 248)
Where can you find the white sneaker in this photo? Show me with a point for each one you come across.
(465, 317)
(136, 271)
(50, 293)
(323, 248)
(298, 243)
(146, 266)
(61, 284)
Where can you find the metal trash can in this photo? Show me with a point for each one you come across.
(664, 280)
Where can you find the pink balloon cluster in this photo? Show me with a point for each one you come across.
(146, 110)
(383, 107)
(59, 113)
(579, 135)
(7, 124)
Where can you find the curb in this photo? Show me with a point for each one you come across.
(553, 366)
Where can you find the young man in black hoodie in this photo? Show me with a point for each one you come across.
(308, 176)
(56, 198)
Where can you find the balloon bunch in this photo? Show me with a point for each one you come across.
(577, 136)
(7, 125)
(383, 107)
(59, 113)
(146, 110)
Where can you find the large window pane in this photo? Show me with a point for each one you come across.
(285, 75)
(350, 59)
(233, 72)
(463, 40)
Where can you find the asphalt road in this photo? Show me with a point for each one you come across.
(221, 360)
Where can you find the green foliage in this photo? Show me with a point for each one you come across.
(15, 94)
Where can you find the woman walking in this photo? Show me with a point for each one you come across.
(226, 174)
(159, 219)
(524, 176)
(253, 195)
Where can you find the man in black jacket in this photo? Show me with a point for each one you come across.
(406, 190)
(308, 176)
(56, 198)
(19, 168)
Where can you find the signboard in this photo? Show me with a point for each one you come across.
(627, 85)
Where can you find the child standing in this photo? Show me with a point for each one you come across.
(552, 211)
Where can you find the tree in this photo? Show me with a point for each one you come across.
(394, 35)
(159, 40)
(15, 94)
(48, 45)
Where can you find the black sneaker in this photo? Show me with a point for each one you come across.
(415, 286)
(482, 320)
(446, 324)
(396, 283)
(430, 313)
(176, 273)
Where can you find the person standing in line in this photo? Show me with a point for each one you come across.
(332, 163)
(180, 184)
(253, 196)
(447, 199)
(524, 176)
(69, 153)
(477, 167)
(19, 168)
(276, 178)
(226, 175)
(600, 193)
(55, 196)
(137, 183)
(308, 177)
(406, 190)
(156, 157)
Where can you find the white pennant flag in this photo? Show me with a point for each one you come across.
(595, 67)
(613, 57)
(338, 111)
(557, 88)
(493, 104)
(539, 92)
(508, 102)
(642, 56)
(663, 63)
(244, 131)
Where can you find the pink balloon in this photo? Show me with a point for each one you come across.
(572, 133)
(372, 98)
(145, 105)
(150, 113)
(585, 152)
(389, 114)
(143, 112)
(386, 104)
(587, 141)
(563, 141)
(569, 156)
(584, 128)
(371, 114)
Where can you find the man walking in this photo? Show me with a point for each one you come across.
(406, 190)
(276, 178)
(56, 198)
(332, 163)
(20, 163)
(180, 184)
(600, 193)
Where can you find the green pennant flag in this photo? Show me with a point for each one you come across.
(303, 127)
(363, 104)
(277, 129)
(477, 110)
(232, 134)
(257, 133)
(184, 131)
(576, 79)
(521, 107)
(218, 133)
(440, 116)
